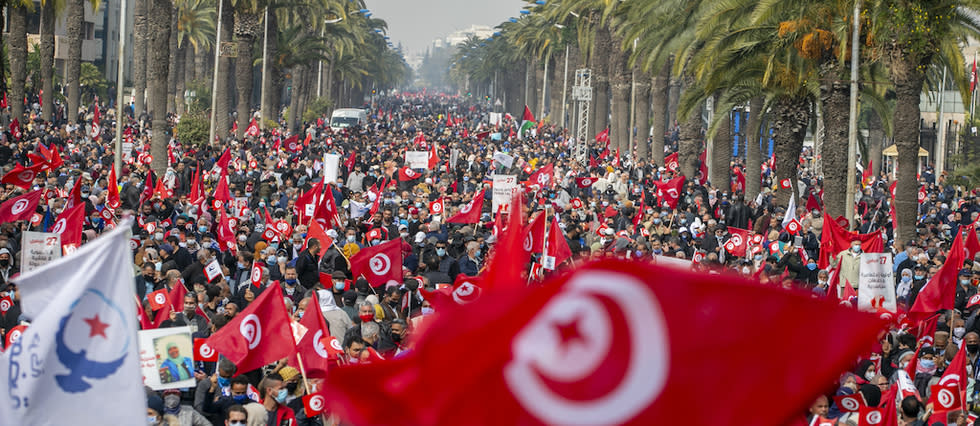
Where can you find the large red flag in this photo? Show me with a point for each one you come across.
(174, 301)
(672, 163)
(22, 176)
(316, 231)
(610, 343)
(258, 335)
(226, 234)
(502, 270)
(305, 206)
(534, 235)
(112, 199)
(738, 242)
(221, 191)
(557, 245)
(21, 207)
(670, 192)
(223, 161)
(379, 264)
(433, 157)
(314, 347)
(543, 177)
(326, 212)
(69, 225)
(972, 244)
(834, 239)
(470, 212)
(940, 291)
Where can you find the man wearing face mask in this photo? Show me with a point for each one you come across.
(919, 279)
(185, 414)
(274, 393)
(964, 289)
(850, 261)
(217, 405)
(307, 271)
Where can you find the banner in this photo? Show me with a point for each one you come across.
(876, 283)
(39, 248)
(331, 166)
(417, 159)
(496, 118)
(167, 358)
(505, 160)
(503, 191)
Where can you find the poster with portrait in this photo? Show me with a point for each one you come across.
(167, 358)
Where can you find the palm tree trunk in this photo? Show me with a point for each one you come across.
(790, 118)
(621, 76)
(642, 113)
(246, 27)
(721, 155)
(600, 82)
(73, 71)
(223, 103)
(673, 99)
(160, 13)
(201, 64)
(835, 98)
(689, 143)
(876, 138)
(17, 37)
(139, 56)
(660, 96)
(172, 67)
(294, 97)
(532, 85)
(47, 59)
(753, 151)
(908, 82)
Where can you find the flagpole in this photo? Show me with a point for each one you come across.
(120, 62)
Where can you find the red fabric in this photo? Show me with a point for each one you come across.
(204, 352)
(349, 162)
(703, 168)
(292, 144)
(326, 212)
(69, 225)
(592, 163)
(379, 264)
(23, 176)
(175, 302)
(253, 128)
(258, 335)
(21, 207)
(406, 174)
(849, 403)
(502, 271)
(557, 245)
(307, 139)
(312, 348)
(437, 206)
(225, 234)
(671, 162)
(15, 129)
(543, 177)
(112, 198)
(812, 203)
(867, 178)
(940, 291)
(603, 136)
(221, 192)
(670, 192)
(609, 344)
(223, 161)
(584, 182)
(433, 157)
(157, 299)
(300, 209)
(534, 236)
(971, 244)
(739, 180)
(834, 239)
(738, 242)
(470, 212)
(316, 231)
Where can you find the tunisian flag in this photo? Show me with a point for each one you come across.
(543, 178)
(834, 239)
(112, 199)
(610, 343)
(670, 192)
(313, 346)
(20, 207)
(258, 335)
(534, 235)
(671, 162)
(379, 264)
(69, 225)
(470, 212)
(738, 242)
(22, 176)
(940, 291)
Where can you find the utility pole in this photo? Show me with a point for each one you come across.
(214, 78)
(120, 64)
(852, 120)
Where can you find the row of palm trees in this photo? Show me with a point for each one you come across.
(173, 46)
(782, 60)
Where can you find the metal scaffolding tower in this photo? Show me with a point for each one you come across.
(582, 95)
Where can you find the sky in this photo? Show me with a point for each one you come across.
(416, 23)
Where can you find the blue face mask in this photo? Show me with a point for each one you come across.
(223, 382)
(928, 364)
(338, 286)
(281, 396)
(477, 254)
(291, 282)
(202, 229)
(811, 266)
(919, 277)
(151, 420)
(241, 265)
(441, 252)
(240, 399)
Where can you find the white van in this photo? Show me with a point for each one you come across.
(347, 117)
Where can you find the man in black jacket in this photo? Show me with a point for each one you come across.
(307, 268)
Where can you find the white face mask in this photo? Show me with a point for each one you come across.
(959, 332)
(869, 375)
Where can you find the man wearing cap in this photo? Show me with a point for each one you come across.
(6, 265)
(964, 291)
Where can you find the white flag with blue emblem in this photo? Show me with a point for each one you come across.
(78, 361)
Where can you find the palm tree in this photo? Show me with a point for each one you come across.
(910, 36)
(247, 29)
(17, 53)
(158, 25)
(195, 33)
(139, 55)
(48, 14)
(73, 66)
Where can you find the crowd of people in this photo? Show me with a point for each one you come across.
(618, 211)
